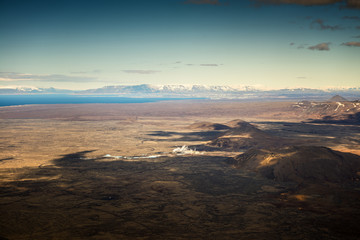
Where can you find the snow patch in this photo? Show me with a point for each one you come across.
(339, 104)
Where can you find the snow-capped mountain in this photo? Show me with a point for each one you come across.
(194, 91)
(31, 90)
(219, 92)
(147, 88)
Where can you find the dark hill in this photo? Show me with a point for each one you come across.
(338, 98)
(236, 123)
(302, 164)
(208, 126)
(243, 127)
(244, 135)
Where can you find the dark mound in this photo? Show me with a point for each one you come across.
(243, 136)
(236, 123)
(338, 98)
(208, 126)
(242, 127)
(302, 164)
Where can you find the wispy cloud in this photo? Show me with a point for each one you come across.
(352, 44)
(199, 2)
(15, 76)
(301, 46)
(344, 3)
(78, 72)
(209, 65)
(356, 36)
(320, 47)
(357, 18)
(320, 23)
(87, 72)
(141, 71)
(205, 64)
(353, 4)
(299, 2)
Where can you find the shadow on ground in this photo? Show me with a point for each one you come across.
(343, 119)
(192, 197)
(187, 136)
(324, 134)
(6, 159)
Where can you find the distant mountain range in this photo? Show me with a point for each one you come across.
(33, 90)
(194, 91)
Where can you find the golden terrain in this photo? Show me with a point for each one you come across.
(91, 172)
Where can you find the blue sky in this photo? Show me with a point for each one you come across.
(263, 43)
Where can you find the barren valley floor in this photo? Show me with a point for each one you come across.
(108, 171)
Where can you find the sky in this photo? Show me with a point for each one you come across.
(266, 44)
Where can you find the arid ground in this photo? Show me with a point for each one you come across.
(108, 171)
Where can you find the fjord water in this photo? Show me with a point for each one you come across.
(11, 100)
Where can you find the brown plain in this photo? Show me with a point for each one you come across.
(56, 183)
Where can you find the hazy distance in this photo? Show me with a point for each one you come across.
(92, 44)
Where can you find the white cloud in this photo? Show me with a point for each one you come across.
(352, 44)
(320, 47)
(15, 76)
(141, 71)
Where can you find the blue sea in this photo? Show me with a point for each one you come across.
(11, 100)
